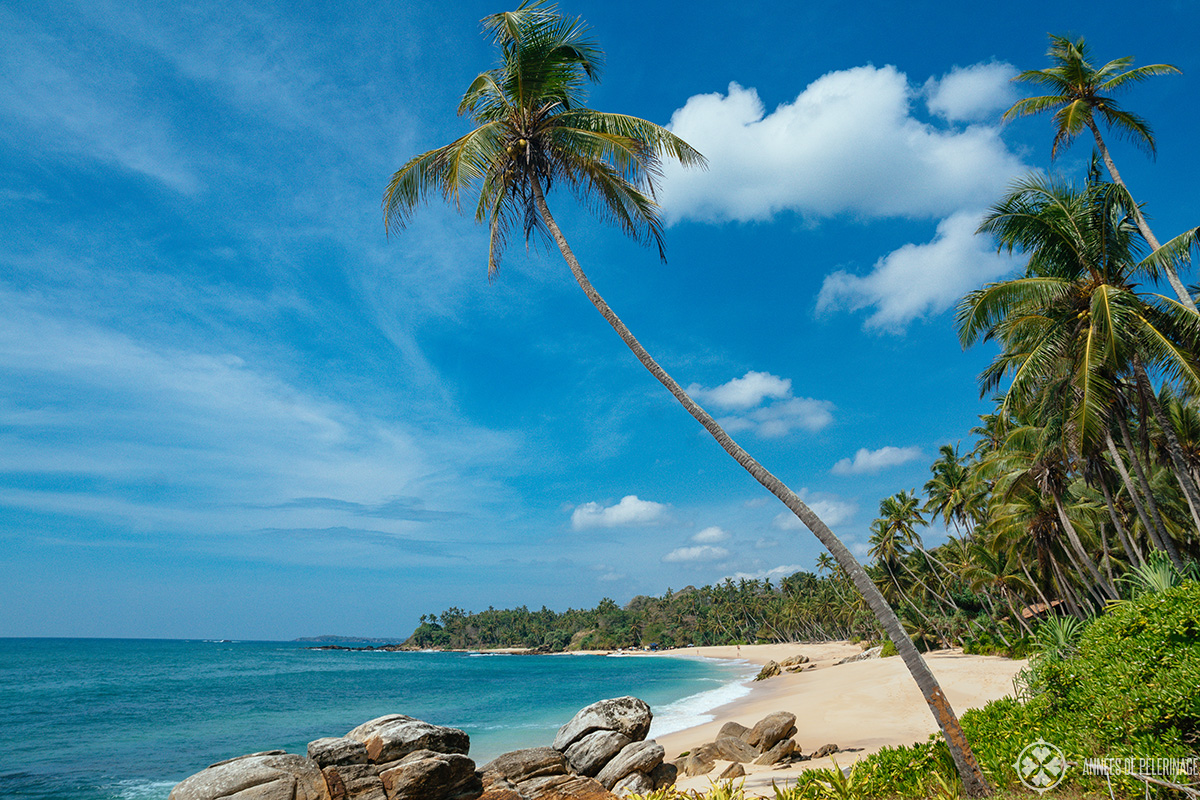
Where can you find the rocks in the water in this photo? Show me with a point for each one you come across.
(588, 755)
(394, 736)
(634, 757)
(337, 752)
(534, 762)
(769, 670)
(626, 715)
(734, 770)
(426, 774)
(261, 777)
(730, 748)
(873, 652)
(770, 729)
(825, 750)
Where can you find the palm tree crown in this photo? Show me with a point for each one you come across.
(531, 127)
(1081, 91)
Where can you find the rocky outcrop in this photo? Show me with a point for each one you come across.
(394, 736)
(354, 782)
(626, 715)
(337, 752)
(522, 765)
(273, 776)
(634, 757)
(733, 729)
(734, 770)
(426, 774)
(769, 670)
(730, 748)
(874, 652)
(825, 750)
(781, 751)
(771, 729)
(588, 755)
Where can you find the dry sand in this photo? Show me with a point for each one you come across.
(861, 706)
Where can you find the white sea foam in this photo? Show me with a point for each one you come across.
(142, 790)
(697, 709)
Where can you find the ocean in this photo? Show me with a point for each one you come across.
(126, 719)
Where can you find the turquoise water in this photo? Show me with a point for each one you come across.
(102, 719)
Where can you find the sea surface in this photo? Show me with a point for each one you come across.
(127, 719)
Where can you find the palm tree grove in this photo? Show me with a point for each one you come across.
(1063, 528)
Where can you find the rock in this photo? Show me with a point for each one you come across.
(769, 670)
(256, 777)
(564, 787)
(634, 757)
(627, 715)
(521, 765)
(731, 749)
(249, 755)
(770, 729)
(633, 783)
(700, 761)
(874, 652)
(734, 770)
(589, 755)
(780, 751)
(733, 729)
(396, 735)
(825, 750)
(427, 775)
(497, 787)
(794, 661)
(664, 775)
(330, 751)
(353, 782)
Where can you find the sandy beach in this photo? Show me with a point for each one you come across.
(861, 706)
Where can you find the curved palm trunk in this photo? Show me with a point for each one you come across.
(974, 782)
(1127, 541)
(1172, 277)
(1133, 493)
(1160, 530)
(1081, 552)
(1178, 460)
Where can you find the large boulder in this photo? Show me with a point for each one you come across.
(664, 775)
(733, 729)
(534, 762)
(825, 750)
(634, 757)
(769, 670)
(256, 777)
(699, 761)
(626, 715)
(793, 661)
(734, 770)
(783, 749)
(771, 729)
(589, 755)
(427, 775)
(354, 782)
(564, 787)
(633, 783)
(394, 736)
(865, 655)
(337, 752)
(731, 749)
(498, 787)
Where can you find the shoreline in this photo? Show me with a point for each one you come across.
(861, 706)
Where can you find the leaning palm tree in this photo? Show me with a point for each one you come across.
(1079, 93)
(533, 133)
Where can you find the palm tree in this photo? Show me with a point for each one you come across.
(1079, 93)
(532, 132)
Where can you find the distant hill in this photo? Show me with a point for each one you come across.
(330, 639)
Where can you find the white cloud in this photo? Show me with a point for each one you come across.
(630, 511)
(700, 553)
(711, 535)
(750, 394)
(766, 544)
(974, 93)
(918, 280)
(870, 461)
(848, 144)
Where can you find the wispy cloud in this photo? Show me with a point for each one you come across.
(711, 535)
(832, 510)
(699, 553)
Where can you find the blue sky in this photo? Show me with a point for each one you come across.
(231, 407)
